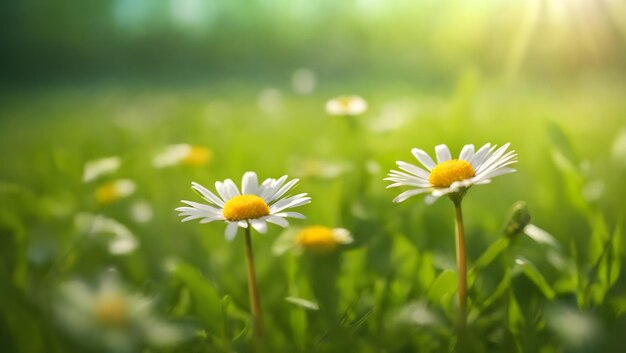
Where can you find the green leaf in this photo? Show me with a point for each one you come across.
(207, 303)
(444, 286)
(615, 257)
(426, 271)
(491, 253)
(515, 317)
(532, 273)
(500, 290)
(299, 325)
(405, 261)
(599, 238)
(233, 314)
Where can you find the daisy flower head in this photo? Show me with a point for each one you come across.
(112, 191)
(316, 239)
(184, 154)
(110, 317)
(451, 176)
(346, 106)
(322, 240)
(254, 206)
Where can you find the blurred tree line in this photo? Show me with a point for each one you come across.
(422, 39)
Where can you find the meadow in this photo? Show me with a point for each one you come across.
(110, 110)
(392, 289)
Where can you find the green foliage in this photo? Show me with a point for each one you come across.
(393, 289)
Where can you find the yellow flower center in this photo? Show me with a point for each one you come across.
(245, 207)
(317, 239)
(197, 156)
(446, 173)
(107, 193)
(112, 310)
(344, 102)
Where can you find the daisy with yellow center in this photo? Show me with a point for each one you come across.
(453, 177)
(322, 240)
(114, 190)
(449, 176)
(182, 154)
(253, 206)
(110, 317)
(346, 106)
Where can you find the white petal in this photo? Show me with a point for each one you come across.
(278, 220)
(231, 231)
(290, 214)
(293, 201)
(405, 195)
(494, 157)
(207, 195)
(249, 183)
(283, 190)
(210, 219)
(497, 161)
(201, 206)
(430, 199)
(443, 153)
(342, 236)
(441, 192)
(188, 210)
(413, 169)
(395, 175)
(467, 152)
(270, 186)
(190, 218)
(408, 182)
(222, 190)
(423, 158)
(497, 172)
(259, 225)
(480, 156)
(457, 185)
(231, 188)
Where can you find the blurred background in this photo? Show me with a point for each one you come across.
(110, 109)
(424, 41)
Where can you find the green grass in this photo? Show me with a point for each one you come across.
(393, 289)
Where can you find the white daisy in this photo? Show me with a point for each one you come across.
(182, 154)
(448, 175)
(315, 239)
(346, 106)
(322, 239)
(110, 317)
(120, 239)
(254, 206)
(114, 190)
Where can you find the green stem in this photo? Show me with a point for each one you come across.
(461, 260)
(255, 302)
